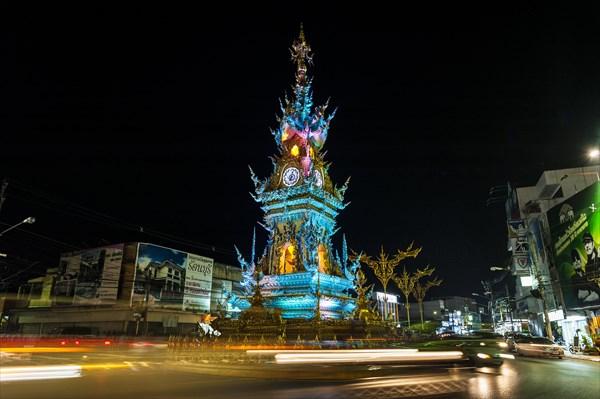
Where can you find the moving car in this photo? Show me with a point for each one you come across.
(511, 337)
(76, 337)
(481, 350)
(537, 346)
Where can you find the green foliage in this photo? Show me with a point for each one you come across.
(586, 342)
(428, 327)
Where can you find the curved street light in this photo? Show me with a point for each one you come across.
(29, 220)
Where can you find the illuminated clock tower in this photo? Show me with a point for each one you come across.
(299, 272)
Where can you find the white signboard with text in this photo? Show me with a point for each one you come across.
(198, 283)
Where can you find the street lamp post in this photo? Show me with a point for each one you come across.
(29, 220)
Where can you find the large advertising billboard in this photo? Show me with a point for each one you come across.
(575, 229)
(89, 277)
(198, 283)
(172, 279)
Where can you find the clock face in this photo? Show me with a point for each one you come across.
(291, 176)
(318, 178)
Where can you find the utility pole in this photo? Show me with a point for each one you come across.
(146, 298)
(542, 289)
(488, 290)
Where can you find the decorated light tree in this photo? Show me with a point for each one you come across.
(420, 291)
(363, 311)
(384, 266)
(303, 275)
(406, 283)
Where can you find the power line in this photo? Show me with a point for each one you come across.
(72, 209)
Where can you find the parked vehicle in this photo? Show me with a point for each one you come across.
(537, 346)
(576, 348)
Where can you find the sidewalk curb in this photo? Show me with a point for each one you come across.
(588, 358)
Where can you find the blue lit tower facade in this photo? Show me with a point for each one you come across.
(298, 271)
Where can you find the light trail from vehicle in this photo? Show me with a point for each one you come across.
(39, 373)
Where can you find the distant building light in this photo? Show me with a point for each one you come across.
(381, 296)
(526, 281)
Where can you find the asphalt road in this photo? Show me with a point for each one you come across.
(148, 376)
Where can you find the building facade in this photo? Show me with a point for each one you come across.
(130, 288)
(553, 236)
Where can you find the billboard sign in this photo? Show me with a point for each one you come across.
(198, 283)
(172, 279)
(521, 265)
(516, 228)
(575, 230)
(89, 277)
(383, 297)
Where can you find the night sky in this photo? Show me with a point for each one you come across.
(140, 125)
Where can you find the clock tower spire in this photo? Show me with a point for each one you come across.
(300, 204)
